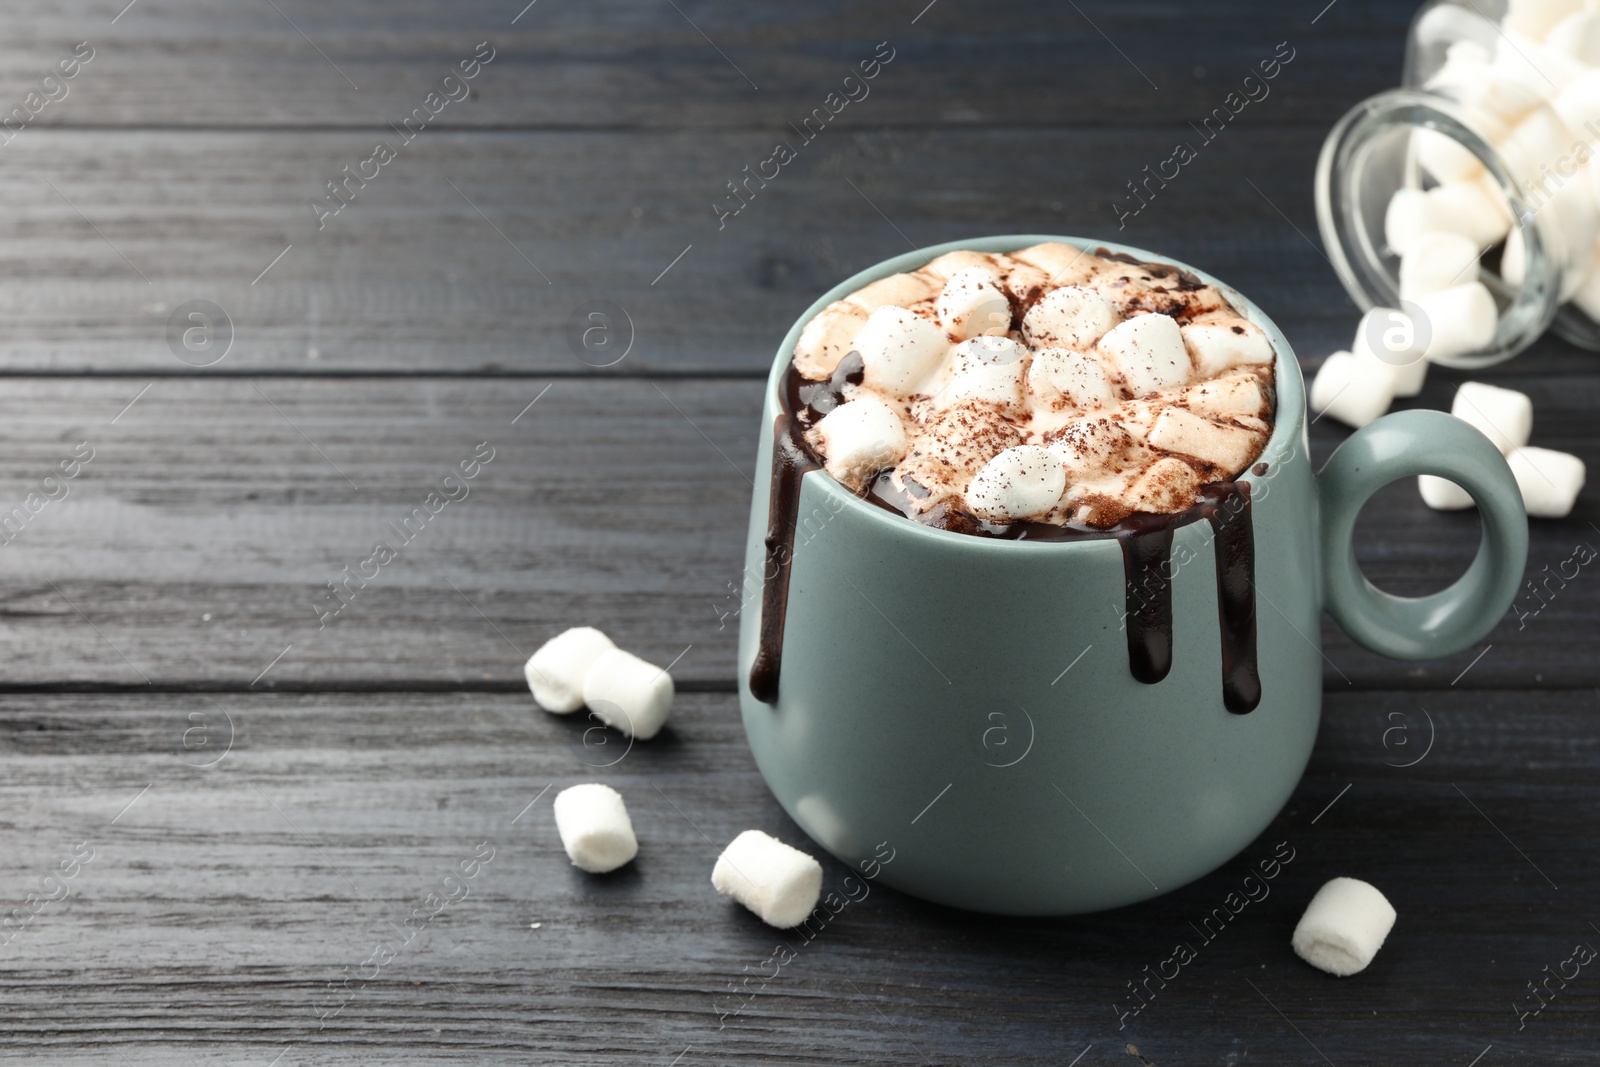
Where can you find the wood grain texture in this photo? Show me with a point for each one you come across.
(220, 904)
(690, 64)
(198, 542)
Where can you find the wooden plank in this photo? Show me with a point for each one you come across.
(484, 252)
(221, 901)
(692, 64)
(197, 544)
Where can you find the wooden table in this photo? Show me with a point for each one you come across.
(252, 794)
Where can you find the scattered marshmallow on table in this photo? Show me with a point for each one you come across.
(556, 671)
(1353, 390)
(1024, 482)
(1390, 336)
(1549, 480)
(1344, 927)
(779, 883)
(595, 828)
(1441, 494)
(1504, 416)
(628, 694)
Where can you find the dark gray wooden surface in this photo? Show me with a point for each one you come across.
(265, 800)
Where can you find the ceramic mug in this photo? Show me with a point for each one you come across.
(970, 701)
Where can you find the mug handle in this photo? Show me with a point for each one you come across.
(1397, 446)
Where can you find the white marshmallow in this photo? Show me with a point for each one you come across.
(897, 290)
(1024, 482)
(1167, 485)
(1061, 377)
(1435, 262)
(556, 670)
(1514, 259)
(1344, 927)
(1227, 397)
(1406, 219)
(1445, 158)
(1461, 320)
(1354, 391)
(1475, 209)
(899, 351)
(1149, 353)
(779, 883)
(973, 304)
(989, 370)
(1578, 103)
(628, 694)
(1389, 336)
(826, 338)
(1184, 432)
(595, 828)
(1440, 494)
(1216, 346)
(860, 438)
(1069, 317)
(1587, 296)
(1504, 416)
(1536, 18)
(1578, 36)
(1528, 61)
(1089, 445)
(1549, 480)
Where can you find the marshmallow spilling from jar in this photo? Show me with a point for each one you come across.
(1046, 385)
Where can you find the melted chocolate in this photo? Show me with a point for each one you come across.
(1146, 541)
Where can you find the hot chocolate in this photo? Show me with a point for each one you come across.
(999, 393)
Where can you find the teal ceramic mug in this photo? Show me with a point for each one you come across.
(970, 701)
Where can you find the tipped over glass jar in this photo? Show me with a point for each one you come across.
(1470, 196)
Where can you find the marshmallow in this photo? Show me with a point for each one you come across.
(1578, 36)
(944, 268)
(556, 671)
(973, 304)
(1086, 447)
(1390, 336)
(1504, 416)
(779, 883)
(1549, 480)
(899, 351)
(1060, 377)
(826, 338)
(1514, 259)
(595, 828)
(1578, 103)
(989, 370)
(860, 438)
(1355, 391)
(1460, 320)
(1587, 296)
(1476, 210)
(1344, 927)
(1215, 346)
(1529, 62)
(1182, 431)
(897, 290)
(1167, 485)
(628, 694)
(1435, 262)
(1069, 317)
(1440, 494)
(1445, 158)
(1536, 18)
(1149, 353)
(1024, 482)
(1226, 398)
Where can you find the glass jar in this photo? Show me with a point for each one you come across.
(1494, 135)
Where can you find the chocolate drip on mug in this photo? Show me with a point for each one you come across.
(1226, 506)
(1147, 578)
(791, 459)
